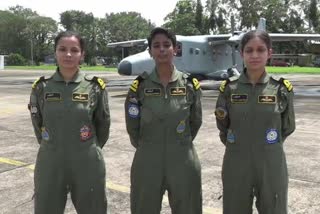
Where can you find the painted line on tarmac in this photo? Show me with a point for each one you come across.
(110, 185)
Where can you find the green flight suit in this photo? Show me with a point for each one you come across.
(162, 123)
(71, 121)
(254, 121)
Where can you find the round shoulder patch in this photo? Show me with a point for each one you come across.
(272, 136)
(133, 110)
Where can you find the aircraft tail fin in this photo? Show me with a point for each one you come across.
(262, 24)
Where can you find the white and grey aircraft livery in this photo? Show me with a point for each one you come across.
(204, 56)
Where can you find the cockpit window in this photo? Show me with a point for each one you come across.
(179, 49)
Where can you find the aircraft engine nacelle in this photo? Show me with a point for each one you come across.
(136, 64)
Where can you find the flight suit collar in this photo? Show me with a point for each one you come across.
(154, 76)
(263, 79)
(77, 78)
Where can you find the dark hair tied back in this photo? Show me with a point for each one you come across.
(69, 34)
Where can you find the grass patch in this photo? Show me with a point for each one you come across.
(53, 67)
(294, 69)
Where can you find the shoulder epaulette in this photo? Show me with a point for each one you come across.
(37, 81)
(135, 84)
(100, 82)
(195, 82)
(287, 84)
(223, 85)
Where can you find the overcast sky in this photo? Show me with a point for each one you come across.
(155, 10)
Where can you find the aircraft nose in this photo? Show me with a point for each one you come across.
(125, 68)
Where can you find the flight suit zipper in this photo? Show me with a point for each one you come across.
(165, 92)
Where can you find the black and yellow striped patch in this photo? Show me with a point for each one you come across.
(134, 86)
(288, 84)
(101, 83)
(195, 83)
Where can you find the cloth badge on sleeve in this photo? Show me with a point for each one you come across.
(133, 110)
(33, 109)
(272, 136)
(267, 99)
(80, 97)
(220, 113)
(44, 134)
(178, 91)
(239, 98)
(133, 100)
(52, 96)
(152, 91)
(181, 127)
(230, 137)
(85, 133)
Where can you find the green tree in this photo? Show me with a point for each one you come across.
(123, 26)
(250, 13)
(24, 32)
(217, 16)
(313, 14)
(85, 24)
(182, 19)
(11, 30)
(199, 17)
(274, 11)
(126, 26)
(40, 33)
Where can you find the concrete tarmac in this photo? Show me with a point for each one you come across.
(18, 146)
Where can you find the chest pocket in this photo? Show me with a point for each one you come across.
(85, 101)
(53, 104)
(180, 101)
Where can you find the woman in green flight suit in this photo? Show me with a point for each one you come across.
(71, 120)
(163, 116)
(254, 113)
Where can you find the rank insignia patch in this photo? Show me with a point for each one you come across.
(178, 91)
(52, 96)
(85, 133)
(195, 83)
(80, 97)
(239, 98)
(288, 85)
(267, 99)
(223, 86)
(152, 91)
(134, 86)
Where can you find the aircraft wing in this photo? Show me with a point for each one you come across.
(278, 37)
(224, 39)
(126, 44)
